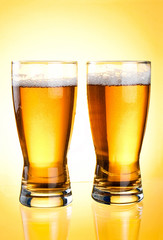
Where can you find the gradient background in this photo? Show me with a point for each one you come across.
(81, 30)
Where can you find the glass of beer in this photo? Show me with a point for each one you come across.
(44, 98)
(118, 97)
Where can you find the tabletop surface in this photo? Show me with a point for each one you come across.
(83, 219)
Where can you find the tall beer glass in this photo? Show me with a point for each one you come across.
(118, 95)
(44, 97)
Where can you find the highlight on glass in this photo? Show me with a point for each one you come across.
(118, 99)
(44, 98)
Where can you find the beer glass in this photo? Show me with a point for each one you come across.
(118, 96)
(44, 97)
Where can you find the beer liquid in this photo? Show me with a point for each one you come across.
(44, 117)
(117, 118)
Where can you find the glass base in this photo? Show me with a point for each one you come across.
(56, 198)
(117, 197)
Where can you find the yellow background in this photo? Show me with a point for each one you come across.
(81, 30)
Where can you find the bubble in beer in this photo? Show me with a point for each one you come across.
(116, 74)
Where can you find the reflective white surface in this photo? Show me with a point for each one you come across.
(84, 218)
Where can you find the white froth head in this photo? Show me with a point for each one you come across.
(63, 82)
(44, 74)
(119, 73)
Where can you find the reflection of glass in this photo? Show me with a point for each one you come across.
(118, 94)
(121, 222)
(47, 223)
(44, 96)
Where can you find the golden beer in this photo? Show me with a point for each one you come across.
(117, 111)
(44, 111)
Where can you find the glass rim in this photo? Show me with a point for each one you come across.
(43, 62)
(119, 62)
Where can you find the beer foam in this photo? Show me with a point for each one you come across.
(113, 75)
(61, 82)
